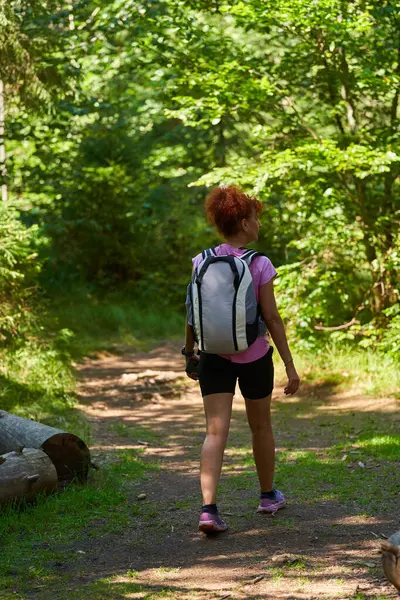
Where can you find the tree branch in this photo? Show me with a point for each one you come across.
(390, 176)
(354, 321)
(220, 146)
(395, 101)
(331, 89)
(300, 117)
(345, 91)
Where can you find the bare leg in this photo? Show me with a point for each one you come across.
(259, 418)
(218, 411)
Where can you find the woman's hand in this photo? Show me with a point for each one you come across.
(195, 358)
(293, 380)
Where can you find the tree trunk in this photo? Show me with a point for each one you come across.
(3, 167)
(24, 474)
(69, 454)
(220, 146)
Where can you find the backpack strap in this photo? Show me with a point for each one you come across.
(209, 252)
(248, 258)
(250, 255)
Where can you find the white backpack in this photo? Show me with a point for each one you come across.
(221, 303)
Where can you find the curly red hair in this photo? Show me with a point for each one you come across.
(227, 206)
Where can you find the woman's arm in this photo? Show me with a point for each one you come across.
(276, 328)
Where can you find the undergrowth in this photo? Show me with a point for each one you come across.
(39, 539)
(87, 323)
(37, 380)
(37, 377)
(371, 373)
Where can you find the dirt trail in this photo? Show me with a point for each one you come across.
(259, 556)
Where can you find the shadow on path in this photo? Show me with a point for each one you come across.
(320, 546)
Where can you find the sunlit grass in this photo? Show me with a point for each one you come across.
(361, 596)
(115, 588)
(51, 529)
(37, 382)
(310, 477)
(380, 446)
(37, 379)
(368, 371)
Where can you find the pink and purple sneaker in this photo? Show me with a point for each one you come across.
(271, 505)
(211, 523)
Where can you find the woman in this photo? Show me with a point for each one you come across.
(235, 215)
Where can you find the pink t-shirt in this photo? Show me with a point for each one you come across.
(262, 271)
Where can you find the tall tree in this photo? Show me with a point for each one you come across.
(329, 140)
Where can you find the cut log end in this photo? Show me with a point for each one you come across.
(70, 456)
(389, 547)
(390, 560)
(23, 475)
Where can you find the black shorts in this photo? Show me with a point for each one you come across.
(218, 375)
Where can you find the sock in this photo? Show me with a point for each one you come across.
(270, 495)
(210, 508)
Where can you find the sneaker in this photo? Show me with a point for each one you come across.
(210, 523)
(268, 505)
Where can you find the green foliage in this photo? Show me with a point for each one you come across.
(150, 104)
(37, 58)
(329, 146)
(99, 509)
(18, 269)
(37, 382)
(390, 339)
(372, 373)
(88, 322)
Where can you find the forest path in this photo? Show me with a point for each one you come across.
(316, 548)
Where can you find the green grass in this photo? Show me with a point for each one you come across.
(163, 570)
(89, 323)
(361, 596)
(369, 371)
(110, 588)
(37, 537)
(357, 456)
(312, 478)
(183, 504)
(36, 376)
(37, 382)
(275, 573)
(385, 447)
(113, 588)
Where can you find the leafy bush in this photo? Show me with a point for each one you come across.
(18, 269)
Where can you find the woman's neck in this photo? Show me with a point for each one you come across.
(237, 241)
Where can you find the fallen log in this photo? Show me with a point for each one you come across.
(69, 454)
(390, 559)
(26, 473)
